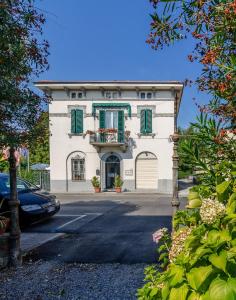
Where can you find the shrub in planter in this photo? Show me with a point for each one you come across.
(118, 183)
(199, 259)
(4, 224)
(96, 184)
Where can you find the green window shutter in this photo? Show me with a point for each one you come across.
(143, 121)
(73, 117)
(121, 126)
(79, 121)
(148, 121)
(102, 119)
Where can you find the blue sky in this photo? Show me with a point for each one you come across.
(105, 40)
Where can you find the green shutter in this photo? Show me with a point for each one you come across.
(102, 119)
(148, 121)
(121, 126)
(142, 121)
(79, 121)
(73, 114)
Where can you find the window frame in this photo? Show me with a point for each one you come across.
(113, 95)
(77, 93)
(145, 94)
(82, 174)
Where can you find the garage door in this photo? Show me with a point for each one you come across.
(146, 171)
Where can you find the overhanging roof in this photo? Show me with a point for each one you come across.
(177, 86)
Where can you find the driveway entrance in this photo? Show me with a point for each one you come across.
(105, 228)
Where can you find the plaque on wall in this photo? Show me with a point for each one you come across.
(129, 172)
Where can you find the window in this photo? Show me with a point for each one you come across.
(111, 95)
(73, 95)
(77, 121)
(142, 95)
(146, 95)
(111, 119)
(77, 95)
(146, 121)
(80, 95)
(78, 168)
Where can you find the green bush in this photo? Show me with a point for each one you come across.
(199, 259)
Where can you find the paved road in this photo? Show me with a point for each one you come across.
(104, 228)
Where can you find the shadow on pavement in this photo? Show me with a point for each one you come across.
(122, 234)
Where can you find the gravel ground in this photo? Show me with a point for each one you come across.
(40, 280)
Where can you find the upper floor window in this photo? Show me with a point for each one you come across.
(111, 95)
(77, 95)
(78, 168)
(146, 95)
(146, 121)
(77, 116)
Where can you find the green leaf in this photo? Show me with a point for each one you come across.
(216, 238)
(194, 296)
(221, 290)
(154, 292)
(194, 203)
(179, 293)
(165, 291)
(219, 261)
(222, 187)
(232, 198)
(197, 276)
(176, 275)
(199, 253)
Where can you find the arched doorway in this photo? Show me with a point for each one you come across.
(146, 171)
(112, 169)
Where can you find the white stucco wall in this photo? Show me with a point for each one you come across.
(62, 144)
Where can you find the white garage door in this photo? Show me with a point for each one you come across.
(146, 171)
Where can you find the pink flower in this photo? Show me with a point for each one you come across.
(157, 236)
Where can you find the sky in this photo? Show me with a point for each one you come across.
(105, 40)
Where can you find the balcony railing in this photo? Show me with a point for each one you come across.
(108, 137)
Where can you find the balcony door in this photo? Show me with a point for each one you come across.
(111, 119)
(112, 169)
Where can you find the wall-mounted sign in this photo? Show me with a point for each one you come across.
(129, 172)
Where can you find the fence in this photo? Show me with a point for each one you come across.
(39, 178)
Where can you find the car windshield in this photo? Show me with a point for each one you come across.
(22, 185)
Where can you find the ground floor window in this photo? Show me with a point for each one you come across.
(78, 168)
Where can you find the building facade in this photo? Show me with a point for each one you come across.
(111, 128)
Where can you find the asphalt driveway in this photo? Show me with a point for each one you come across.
(104, 228)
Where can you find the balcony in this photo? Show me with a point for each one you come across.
(109, 138)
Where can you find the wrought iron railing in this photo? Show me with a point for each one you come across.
(108, 137)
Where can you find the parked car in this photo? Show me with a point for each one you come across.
(35, 204)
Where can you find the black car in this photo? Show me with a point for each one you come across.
(35, 204)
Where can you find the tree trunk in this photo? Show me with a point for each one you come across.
(15, 253)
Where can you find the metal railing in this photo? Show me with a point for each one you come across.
(108, 137)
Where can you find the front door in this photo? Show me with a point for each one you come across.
(112, 170)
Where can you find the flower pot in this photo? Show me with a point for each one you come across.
(118, 189)
(4, 224)
(97, 189)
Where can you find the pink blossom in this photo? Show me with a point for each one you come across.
(158, 235)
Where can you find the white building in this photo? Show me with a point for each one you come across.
(106, 128)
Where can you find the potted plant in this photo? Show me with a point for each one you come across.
(4, 224)
(96, 184)
(118, 183)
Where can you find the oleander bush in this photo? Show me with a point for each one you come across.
(198, 261)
